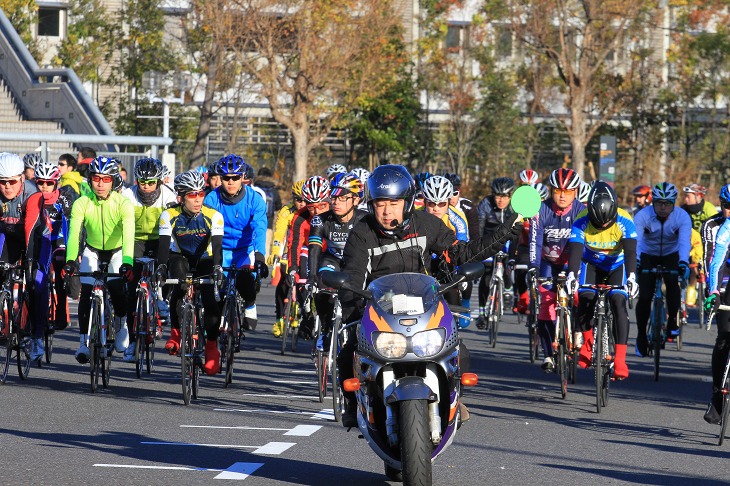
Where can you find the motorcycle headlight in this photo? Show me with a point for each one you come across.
(428, 343)
(391, 344)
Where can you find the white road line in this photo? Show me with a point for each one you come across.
(294, 382)
(326, 414)
(270, 448)
(261, 410)
(171, 468)
(299, 430)
(290, 397)
(239, 470)
(305, 372)
(304, 430)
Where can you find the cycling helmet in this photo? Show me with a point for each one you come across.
(437, 189)
(725, 193)
(231, 164)
(529, 176)
(248, 172)
(343, 183)
(190, 181)
(104, 165)
(361, 174)
(392, 182)
(665, 191)
(47, 171)
(503, 185)
(212, 170)
(118, 182)
(583, 191)
(695, 189)
(420, 178)
(316, 189)
(201, 169)
(10, 165)
(566, 179)
(454, 179)
(148, 168)
(296, 188)
(641, 191)
(542, 189)
(335, 169)
(31, 160)
(602, 205)
(165, 173)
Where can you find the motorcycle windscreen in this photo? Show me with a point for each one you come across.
(404, 293)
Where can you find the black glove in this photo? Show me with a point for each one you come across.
(161, 274)
(218, 275)
(126, 272)
(260, 265)
(70, 268)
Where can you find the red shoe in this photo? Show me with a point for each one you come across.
(212, 358)
(620, 370)
(523, 303)
(172, 345)
(586, 351)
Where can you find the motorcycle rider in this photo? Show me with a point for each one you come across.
(394, 238)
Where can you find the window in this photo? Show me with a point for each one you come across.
(503, 41)
(457, 37)
(49, 22)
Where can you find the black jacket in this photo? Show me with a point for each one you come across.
(371, 253)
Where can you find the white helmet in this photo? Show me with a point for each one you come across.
(583, 191)
(437, 189)
(11, 165)
(361, 174)
(542, 189)
(335, 169)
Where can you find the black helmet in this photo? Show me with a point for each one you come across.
(454, 179)
(503, 185)
(392, 182)
(602, 205)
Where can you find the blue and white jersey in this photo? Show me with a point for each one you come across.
(719, 257)
(550, 231)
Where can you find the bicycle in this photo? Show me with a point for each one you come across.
(604, 341)
(231, 333)
(14, 322)
(725, 390)
(701, 292)
(101, 327)
(49, 331)
(656, 332)
(563, 349)
(533, 337)
(291, 314)
(192, 333)
(146, 325)
(495, 298)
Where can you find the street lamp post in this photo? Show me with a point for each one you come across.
(152, 83)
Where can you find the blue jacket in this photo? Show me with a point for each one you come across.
(244, 226)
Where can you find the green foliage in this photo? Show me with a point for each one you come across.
(88, 45)
(22, 14)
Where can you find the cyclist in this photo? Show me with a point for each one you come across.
(29, 162)
(583, 191)
(549, 234)
(420, 178)
(46, 222)
(278, 249)
(604, 240)
(698, 208)
(663, 238)
(495, 210)
(543, 190)
(328, 234)
(335, 169)
(642, 198)
(13, 195)
(108, 218)
(316, 195)
(214, 179)
(363, 175)
(191, 240)
(244, 239)
(465, 205)
(149, 197)
(716, 238)
(394, 238)
(529, 177)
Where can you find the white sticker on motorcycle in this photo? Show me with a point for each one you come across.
(406, 304)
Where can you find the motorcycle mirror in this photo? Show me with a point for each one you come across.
(469, 379)
(351, 385)
(471, 270)
(336, 280)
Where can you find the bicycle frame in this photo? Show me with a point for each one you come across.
(657, 328)
(146, 315)
(16, 339)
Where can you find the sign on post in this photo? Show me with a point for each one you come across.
(607, 159)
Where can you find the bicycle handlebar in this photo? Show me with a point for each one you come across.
(721, 307)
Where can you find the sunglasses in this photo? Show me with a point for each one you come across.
(146, 182)
(44, 182)
(342, 197)
(298, 199)
(455, 193)
(432, 204)
(227, 178)
(9, 182)
(562, 191)
(194, 194)
(106, 179)
(320, 206)
(663, 203)
(62, 164)
(725, 205)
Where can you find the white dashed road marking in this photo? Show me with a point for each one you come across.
(271, 448)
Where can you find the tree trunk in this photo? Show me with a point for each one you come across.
(206, 111)
(300, 138)
(578, 139)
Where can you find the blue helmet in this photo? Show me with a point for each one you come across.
(392, 182)
(725, 193)
(420, 178)
(104, 165)
(201, 169)
(231, 164)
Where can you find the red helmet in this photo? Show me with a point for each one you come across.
(566, 179)
(643, 191)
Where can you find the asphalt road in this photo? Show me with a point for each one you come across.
(269, 427)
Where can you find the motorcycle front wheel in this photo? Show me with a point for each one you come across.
(415, 446)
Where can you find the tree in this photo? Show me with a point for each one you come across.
(22, 14)
(312, 61)
(592, 47)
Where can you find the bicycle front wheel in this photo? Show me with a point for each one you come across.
(562, 356)
(725, 410)
(598, 358)
(48, 338)
(338, 399)
(287, 324)
(186, 350)
(6, 345)
(95, 344)
(140, 327)
(657, 325)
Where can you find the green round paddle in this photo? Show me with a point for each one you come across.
(526, 201)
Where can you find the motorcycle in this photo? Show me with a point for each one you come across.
(407, 375)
